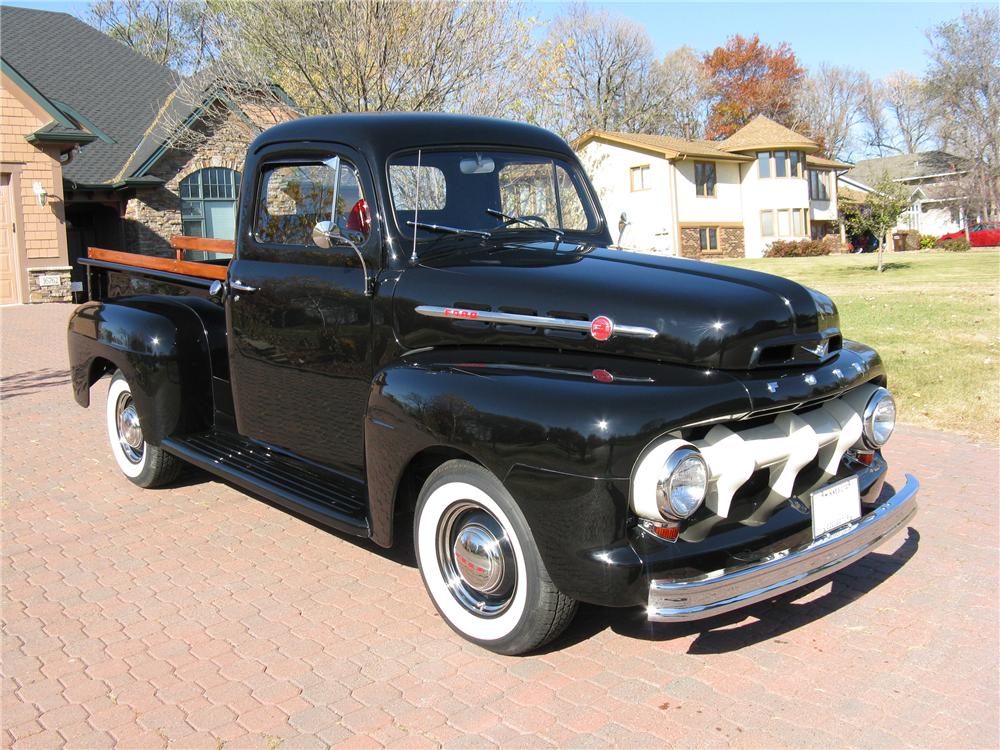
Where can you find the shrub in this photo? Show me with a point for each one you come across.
(797, 249)
(927, 241)
(833, 244)
(957, 245)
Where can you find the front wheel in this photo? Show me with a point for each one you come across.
(144, 464)
(480, 564)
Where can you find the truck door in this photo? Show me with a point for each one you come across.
(298, 318)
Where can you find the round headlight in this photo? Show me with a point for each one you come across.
(682, 484)
(879, 418)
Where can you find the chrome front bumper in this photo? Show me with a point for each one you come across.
(676, 600)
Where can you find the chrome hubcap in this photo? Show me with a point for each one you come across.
(477, 559)
(129, 430)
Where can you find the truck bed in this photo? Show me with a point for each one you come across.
(179, 271)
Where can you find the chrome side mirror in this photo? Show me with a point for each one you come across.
(326, 234)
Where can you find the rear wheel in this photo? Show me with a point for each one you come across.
(480, 564)
(144, 464)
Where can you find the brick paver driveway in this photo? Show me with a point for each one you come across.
(197, 616)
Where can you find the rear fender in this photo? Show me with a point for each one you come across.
(162, 349)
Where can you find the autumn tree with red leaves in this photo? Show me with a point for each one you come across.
(749, 78)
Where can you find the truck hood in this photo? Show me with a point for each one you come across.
(697, 314)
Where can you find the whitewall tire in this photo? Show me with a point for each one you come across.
(480, 564)
(144, 464)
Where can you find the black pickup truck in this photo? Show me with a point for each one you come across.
(424, 330)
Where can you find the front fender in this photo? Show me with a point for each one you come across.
(505, 409)
(162, 349)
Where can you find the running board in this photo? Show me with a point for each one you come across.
(324, 497)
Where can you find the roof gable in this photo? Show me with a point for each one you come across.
(114, 91)
(764, 133)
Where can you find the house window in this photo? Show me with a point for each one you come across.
(818, 190)
(639, 177)
(798, 224)
(708, 238)
(704, 178)
(794, 164)
(780, 166)
(208, 203)
(784, 222)
(764, 163)
(767, 223)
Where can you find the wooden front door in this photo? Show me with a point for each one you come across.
(9, 292)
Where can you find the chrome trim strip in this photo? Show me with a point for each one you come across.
(731, 588)
(589, 374)
(532, 321)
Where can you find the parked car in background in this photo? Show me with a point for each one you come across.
(862, 243)
(984, 234)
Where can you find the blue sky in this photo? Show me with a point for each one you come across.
(876, 37)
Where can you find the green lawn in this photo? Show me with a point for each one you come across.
(935, 319)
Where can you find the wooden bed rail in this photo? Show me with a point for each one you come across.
(182, 242)
(173, 265)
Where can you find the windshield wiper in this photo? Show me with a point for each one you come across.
(518, 220)
(448, 230)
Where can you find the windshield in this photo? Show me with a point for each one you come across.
(488, 191)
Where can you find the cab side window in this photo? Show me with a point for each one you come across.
(294, 198)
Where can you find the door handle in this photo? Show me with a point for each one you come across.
(239, 286)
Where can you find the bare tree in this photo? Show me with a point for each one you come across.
(964, 83)
(910, 111)
(830, 106)
(376, 55)
(606, 77)
(276, 59)
(684, 94)
(878, 134)
(172, 33)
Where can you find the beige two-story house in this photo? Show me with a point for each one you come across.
(704, 199)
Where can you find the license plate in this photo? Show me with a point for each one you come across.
(835, 505)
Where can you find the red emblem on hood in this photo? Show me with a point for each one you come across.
(601, 328)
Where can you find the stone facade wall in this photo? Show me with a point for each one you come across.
(731, 243)
(154, 216)
(49, 284)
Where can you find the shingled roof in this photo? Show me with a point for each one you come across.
(906, 167)
(821, 162)
(664, 145)
(100, 86)
(764, 133)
